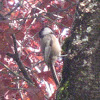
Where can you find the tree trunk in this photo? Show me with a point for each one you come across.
(81, 72)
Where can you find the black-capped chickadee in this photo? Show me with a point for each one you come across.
(51, 49)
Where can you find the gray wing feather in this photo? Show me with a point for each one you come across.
(47, 51)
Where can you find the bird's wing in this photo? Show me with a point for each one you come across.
(47, 51)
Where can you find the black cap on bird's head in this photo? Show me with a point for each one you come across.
(44, 31)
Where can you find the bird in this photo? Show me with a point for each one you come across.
(51, 50)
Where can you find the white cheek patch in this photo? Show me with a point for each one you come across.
(47, 31)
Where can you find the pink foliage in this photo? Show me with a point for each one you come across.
(25, 21)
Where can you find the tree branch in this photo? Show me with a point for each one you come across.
(15, 56)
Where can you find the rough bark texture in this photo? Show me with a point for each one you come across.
(81, 72)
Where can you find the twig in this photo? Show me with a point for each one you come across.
(37, 63)
(20, 91)
(34, 65)
(15, 74)
(17, 5)
(63, 55)
(16, 88)
(53, 21)
(8, 69)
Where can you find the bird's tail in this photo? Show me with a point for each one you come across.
(54, 74)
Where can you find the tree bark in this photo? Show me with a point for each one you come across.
(81, 71)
